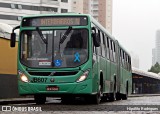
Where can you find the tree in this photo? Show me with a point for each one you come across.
(155, 68)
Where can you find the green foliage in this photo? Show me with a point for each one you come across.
(155, 68)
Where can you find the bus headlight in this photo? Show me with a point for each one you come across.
(23, 77)
(83, 76)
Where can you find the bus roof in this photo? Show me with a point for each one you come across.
(56, 14)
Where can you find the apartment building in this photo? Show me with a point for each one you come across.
(11, 11)
(101, 10)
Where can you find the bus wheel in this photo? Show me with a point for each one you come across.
(97, 97)
(118, 96)
(112, 96)
(104, 98)
(125, 96)
(40, 99)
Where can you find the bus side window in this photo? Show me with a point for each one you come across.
(125, 65)
(98, 49)
(107, 46)
(111, 50)
(127, 62)
(93, 46)
(121, 57)
(114, 56)
(102, 44)
(93, 32)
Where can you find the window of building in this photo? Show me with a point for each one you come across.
(19, 18)
(64, 1)
(19, 6)
(64, 10)
(13, 6)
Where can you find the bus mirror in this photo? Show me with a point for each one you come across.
(13, 39)
(96, 39)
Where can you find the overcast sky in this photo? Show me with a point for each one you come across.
(135, 23)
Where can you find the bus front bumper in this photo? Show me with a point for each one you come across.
(84, 87)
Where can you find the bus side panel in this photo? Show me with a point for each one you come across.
(122, 88)
(107, 76)
(113, 74)
(126, 76)
(118, 76)
(95, 73)
(130, 82)
(123, 81)
(104, 70)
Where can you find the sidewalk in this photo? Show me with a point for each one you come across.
(143, 95)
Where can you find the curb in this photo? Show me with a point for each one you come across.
(15, 101)
(143, 95)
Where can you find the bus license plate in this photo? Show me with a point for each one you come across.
(52, 88)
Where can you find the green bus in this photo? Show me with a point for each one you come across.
(70, 55)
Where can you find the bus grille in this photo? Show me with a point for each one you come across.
(52, 73)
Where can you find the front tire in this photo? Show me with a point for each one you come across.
(97, 98)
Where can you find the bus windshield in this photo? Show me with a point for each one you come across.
(53, 53)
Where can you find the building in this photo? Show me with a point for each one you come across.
(153, 56)
(11, 11)
(156, 50)
(101, 10)
(77, 6)
(80, 6)
(158, 46)
(134, 60)
(145, 82)
(8, 64)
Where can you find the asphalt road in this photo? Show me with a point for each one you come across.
(148, 104)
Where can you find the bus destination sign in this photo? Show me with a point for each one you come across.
(62, 21)
(55, 21)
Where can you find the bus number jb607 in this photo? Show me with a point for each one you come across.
(38, 80)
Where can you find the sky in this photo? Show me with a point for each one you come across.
(135, 23)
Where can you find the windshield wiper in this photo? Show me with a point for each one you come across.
(42, 37)
(65, 35)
